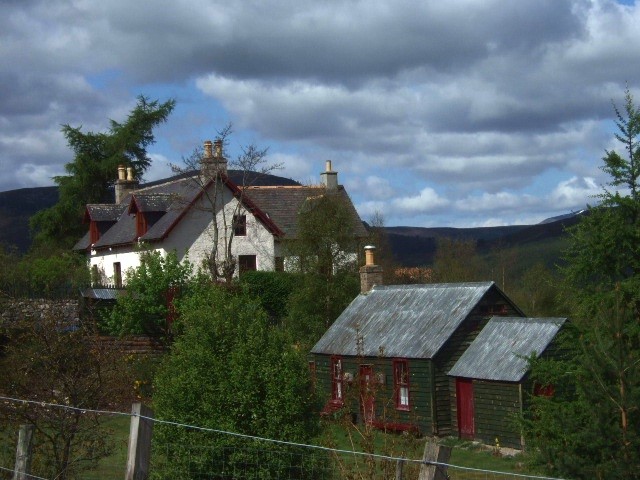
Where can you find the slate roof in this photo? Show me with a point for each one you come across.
(274, 200)
(410, 321)
(499, 351)
(282, 204)
(103, 212)
(151, 202)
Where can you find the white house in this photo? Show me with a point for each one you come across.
(260, 212)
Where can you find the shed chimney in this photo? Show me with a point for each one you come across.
(213, 162)
(370, 273)
(329, 178)
(125, 184)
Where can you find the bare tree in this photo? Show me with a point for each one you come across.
(214, 179)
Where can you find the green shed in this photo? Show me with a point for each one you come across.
(387, 356)
(487, 382)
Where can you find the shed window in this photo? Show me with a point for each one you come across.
(337, 380)
(401, 384)
(240, 225)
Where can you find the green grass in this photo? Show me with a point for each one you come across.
(113, 466)
(463, 453)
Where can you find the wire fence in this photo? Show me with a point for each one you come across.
(181, 451)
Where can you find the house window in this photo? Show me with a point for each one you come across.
(246, 263)
(401, 384)
(337, 380)
(240, 225)
(279, 264)
(117, 274)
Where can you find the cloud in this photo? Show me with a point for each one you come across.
(575, 193)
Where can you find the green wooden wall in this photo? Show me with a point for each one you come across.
(420, 389)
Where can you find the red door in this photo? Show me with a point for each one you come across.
(367, 397)
(464, 396)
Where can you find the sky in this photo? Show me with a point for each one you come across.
(461, 113)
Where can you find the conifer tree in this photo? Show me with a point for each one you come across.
(591, 427)
(93, 169)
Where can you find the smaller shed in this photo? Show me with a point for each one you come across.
(488, 380)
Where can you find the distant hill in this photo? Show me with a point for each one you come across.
(411, 246)
(16, 207)
(416, 246)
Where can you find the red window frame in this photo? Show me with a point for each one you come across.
(547, 390)
(401, 386)
(141, 224)
(337, 380)
(94, 232)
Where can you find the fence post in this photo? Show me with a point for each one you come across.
(434, 453)
(22, 469)
(399, 468)
(139, 443)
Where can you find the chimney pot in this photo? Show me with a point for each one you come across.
(329, 178)
(121, 172)
(218, 148)
(328, 166)
(130, 174)
(370, 273)
(369, 255)
(208, 150)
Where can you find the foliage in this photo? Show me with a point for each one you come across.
(271, 289)
(325, 251)
(93, 169)
(152, 289)
(45, 363)
(456, 261)
(602, 375)
(49, 274)
(229, 370)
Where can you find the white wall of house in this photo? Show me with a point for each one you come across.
(192, 238)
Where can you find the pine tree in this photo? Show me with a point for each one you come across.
(94, 167)
(591, 428)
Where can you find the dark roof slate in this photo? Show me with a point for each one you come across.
(411, 321)
(500, 350)
(283, 204)
(151, 202)
(104, 212)
(275, 200)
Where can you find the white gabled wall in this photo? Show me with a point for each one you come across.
(192, 238)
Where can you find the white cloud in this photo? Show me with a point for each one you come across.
(575, 193)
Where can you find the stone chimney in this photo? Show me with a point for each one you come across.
(213, 162)
(370, 273)
(329, 178)
(125, 184)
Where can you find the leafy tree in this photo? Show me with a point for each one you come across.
(44, 362)
(93, 169)
(603, 374)
(229, 370)
(325, 251)
(456, 261)
(152, 288)
(271, 289)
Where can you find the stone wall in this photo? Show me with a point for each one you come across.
(14, 310)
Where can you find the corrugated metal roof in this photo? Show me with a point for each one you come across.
(411, 321)
(499, 352)
(101, 293)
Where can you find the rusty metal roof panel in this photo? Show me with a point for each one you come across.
(499, 351)
(410, 321)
